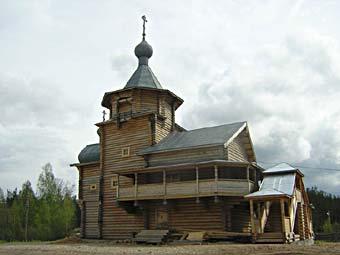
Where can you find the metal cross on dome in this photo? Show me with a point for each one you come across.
(144, 21)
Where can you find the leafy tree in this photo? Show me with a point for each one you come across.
(56, 215)
(47, 215)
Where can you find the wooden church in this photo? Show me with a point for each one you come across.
(147, 173)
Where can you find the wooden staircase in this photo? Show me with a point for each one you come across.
(270, 237)
(272, 228)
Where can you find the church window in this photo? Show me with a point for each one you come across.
(126, 152)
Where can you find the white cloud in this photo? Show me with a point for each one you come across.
(289, 93)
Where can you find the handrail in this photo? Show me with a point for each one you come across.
(191, 181)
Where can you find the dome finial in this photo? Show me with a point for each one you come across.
(144, 21)
(143, 51)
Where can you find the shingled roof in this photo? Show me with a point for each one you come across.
(89, 154)
(143, 77)
(218, 135)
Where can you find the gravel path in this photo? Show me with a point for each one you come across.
(207, 249)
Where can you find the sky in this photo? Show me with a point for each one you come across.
(275, 64)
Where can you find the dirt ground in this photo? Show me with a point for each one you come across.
(205, 249)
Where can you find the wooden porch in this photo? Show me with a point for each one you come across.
(187, 182)
(186, 189)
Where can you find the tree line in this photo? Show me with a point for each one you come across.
(325, 210)
(49, 213)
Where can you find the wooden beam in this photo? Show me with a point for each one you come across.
(253, 230)
(248, 178)
(197, 181)
(259, 217)
(282, 205)
(164, 184)
(117, 187)
(216, 178)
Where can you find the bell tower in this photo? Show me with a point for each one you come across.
(143, 95)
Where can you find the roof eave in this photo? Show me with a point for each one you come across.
(266, 197)
(105, 102)
(84, 164)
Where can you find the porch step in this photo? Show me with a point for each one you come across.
(151, 236)
(271, 237)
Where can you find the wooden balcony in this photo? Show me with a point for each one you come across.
(186, 189)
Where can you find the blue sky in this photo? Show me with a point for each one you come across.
(275, 64)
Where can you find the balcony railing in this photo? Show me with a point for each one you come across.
(186, 189)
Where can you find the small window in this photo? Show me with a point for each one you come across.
(93, 187)
(126, 152)
(114, 182)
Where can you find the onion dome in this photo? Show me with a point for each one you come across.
(143, 50)
(143, 77)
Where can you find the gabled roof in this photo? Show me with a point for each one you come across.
(276, 185)
(282, 168)
(278, 181)
(143, 77)
(218, 135)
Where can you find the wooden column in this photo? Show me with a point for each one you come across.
(197, 182)
(117, 187)
(259, 217)
(248, 178)
(282, 205)
(216, 178)
(253, 230)
(136, 185)
(164, 184)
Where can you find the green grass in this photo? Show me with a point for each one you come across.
(22, 242)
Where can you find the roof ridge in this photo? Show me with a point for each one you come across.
(91, 144)
(239, 122)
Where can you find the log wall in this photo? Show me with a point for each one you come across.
(187, 214)
(135, 134)
(90, 198)
(184, 156)
(236, 150)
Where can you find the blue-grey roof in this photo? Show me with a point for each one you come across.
(281, 168)
(278, 180)
(217, 135)
(143, 77)
(276, 185)
(89, 154)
